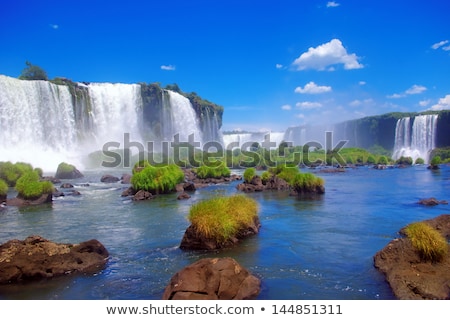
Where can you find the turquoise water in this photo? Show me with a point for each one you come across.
(319, 248)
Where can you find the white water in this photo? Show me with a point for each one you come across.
(416, 140)
(41, 123)
(245, 140)
(184, 120)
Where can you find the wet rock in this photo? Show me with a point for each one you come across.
(183, 196)
(213, 279)
(432, 202)
(142, 195)
(107, 178)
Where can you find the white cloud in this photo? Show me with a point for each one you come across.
(446, 48)
(306, 105)
(286, 107)
(332, 4)
(443, 104)
(168, 67)
(300, 116)
(54, 26)
(312, 88)
(325, 56)
(415, 89)
(362, 83)
(439, 44)
(279, 66)
(424, 103)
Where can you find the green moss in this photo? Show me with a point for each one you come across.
(220, 171)
(29, 187)
(221, 218)
(157, 180)
(3, 188)
(429, 243)
(249, 173)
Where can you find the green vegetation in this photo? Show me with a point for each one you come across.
(308, 183)
(33, 72)
(431, 245)
(436, 161)
(29, 187)
(407, 161)
(207, 171)
(249, 173)
(443, 153)
(383, 160)
(11, 172)
(223, 217)
(419, 161)
(3, 188)
(156, 180)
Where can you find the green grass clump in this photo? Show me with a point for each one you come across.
(431, 245)
(284, 172)
(223, 217)
(157, 180)
(249, 173)
(29, 187)
(205, 171)
(308, 183)
(11, 172)
(3, 188)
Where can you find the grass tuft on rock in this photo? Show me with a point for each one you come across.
(157, 180)
(222, 218)
(431, 245)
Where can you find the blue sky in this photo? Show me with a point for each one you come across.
(270, 64)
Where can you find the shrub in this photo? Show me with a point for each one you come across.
(157, 180)
(436, 161)
(3, 188)
(249, 173)
(383, 160)
(419, 161)
(223, 217)
(371, 159)
(11, 172)
(404, 161)
(308, 183)
(265, 176)
(29, 187)
(430, 244)
(204, 172)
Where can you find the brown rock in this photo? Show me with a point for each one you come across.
(213, 279)
(432, 202)
(142, 195)
(37, 258)
(19, 202)
(408, 275)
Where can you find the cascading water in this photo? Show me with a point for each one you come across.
(415, 140)
(45, 124)
(36, 122)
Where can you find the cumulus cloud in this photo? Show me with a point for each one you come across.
(286, 107)
(306, 105)
(326, 56)
(168, 67)
(439, 44)
(332, 4)
(312, 88)
(424, 103)
(443, 104)
(54, 26)
(362, 83)
(279, 66)
(415, 89)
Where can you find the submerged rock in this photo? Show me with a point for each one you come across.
(408, 275)
(38, 258)
(20, 202)
(213, 279)
(432, 202)
(107, 178)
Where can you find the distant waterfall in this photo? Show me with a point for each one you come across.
(416, 137)
(44, 124)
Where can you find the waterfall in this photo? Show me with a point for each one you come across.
(45, 124)
(210, 129)
(183, 118)
(415, 140)
(37, 122)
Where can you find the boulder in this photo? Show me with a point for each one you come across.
(183, 196)
(193, 240)
(107, 178)
(37, 258)
(142, 195)
(67, 171)
(432, 202)
(126, 178)
(213, 279)
(20, 202)
(408, 275)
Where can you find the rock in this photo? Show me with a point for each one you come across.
(51, 179)
(183, 196)
(431, 202)
(126, 178)
(66, 186)
(67, 171)
(19, 202)
(107, 178)
(128, 192)
(213, 279)
(37, 258)
(408, 275)
(193, 240)
(142, 195)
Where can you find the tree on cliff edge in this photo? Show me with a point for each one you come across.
(33, 72)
